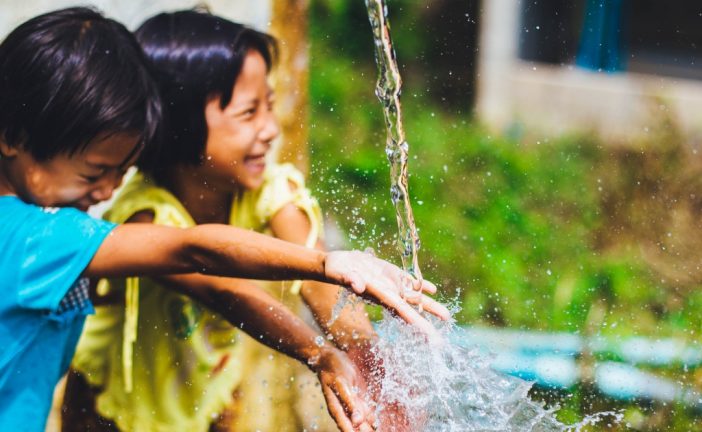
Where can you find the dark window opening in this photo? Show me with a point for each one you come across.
(652, 37)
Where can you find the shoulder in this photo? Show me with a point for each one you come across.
(141, 195)
(140, 189)
(46, 249)
(283, 184)
(286, 174)
(20, 218)
(32, 227)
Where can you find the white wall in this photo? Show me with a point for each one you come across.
(552, 100)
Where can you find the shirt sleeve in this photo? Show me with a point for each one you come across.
(286, 185)
(58, 246)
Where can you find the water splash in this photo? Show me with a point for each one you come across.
(450, 388)
(396, 146)
(442, 388)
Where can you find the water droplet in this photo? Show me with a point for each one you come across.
(313, 361)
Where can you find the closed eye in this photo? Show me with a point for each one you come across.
(91, 179)
(245, 112)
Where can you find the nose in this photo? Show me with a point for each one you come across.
(270, 128)
(102, 193)
(105, 187)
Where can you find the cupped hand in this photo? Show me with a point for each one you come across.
(344, 391)
(392, 416)
(385, 284)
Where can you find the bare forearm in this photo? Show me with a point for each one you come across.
(250, 308)
(139, 249)
(246, 254)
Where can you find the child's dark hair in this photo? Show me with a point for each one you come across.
(70, 76)
(196, 57)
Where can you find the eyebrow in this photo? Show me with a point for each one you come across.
(124, 164)
(106, 167)
(101, 167)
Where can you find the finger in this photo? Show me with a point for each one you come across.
(336, 410)
(392, 301)
(401, 278)
(356, 282)
(425, 286)
(430, 305)
(350, 401)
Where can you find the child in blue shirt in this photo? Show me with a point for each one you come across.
(77, 107)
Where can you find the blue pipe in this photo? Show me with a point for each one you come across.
(550, 360)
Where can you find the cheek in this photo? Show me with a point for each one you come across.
(52, 184)
(58, 191)
(230, 149)
(71, 192)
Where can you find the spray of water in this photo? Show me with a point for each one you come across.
(448, 388)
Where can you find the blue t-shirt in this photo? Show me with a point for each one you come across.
(43, 303)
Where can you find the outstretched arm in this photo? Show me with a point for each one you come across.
(144, 249)
(250, 308)
(138, 249)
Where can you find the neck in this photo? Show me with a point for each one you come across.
(6, 187)
(206, 202)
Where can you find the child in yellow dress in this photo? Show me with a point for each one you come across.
(177, 366)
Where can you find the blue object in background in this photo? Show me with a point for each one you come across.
(550, 360)
(601, 37)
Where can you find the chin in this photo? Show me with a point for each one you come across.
(254, 184)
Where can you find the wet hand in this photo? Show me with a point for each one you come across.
(385, 284)
(344, 391)
(392, 416)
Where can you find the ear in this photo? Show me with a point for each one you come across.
(6, 151)
(214, 114)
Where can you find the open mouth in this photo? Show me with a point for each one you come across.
(255, 164)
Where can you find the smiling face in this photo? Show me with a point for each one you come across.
(80, 180)
(240, 135)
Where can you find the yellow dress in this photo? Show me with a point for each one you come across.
(167, 364)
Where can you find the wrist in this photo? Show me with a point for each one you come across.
(350, 338)
(316, 357)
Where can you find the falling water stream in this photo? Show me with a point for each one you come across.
(442, 388)
(396, 147)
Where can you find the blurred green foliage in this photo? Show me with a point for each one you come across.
(517, 230)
